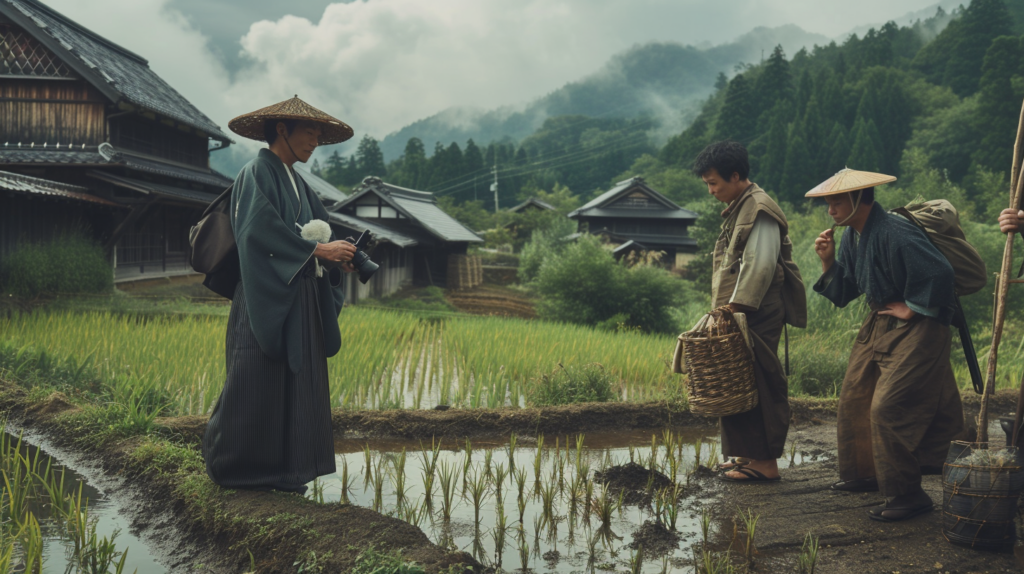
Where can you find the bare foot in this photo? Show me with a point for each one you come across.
(769, 468)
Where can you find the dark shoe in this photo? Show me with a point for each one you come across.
(751, 474)
(857, 485)
(902, 508)
(930, 470)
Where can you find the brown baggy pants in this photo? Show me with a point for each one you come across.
(900, 406)
(760, 433)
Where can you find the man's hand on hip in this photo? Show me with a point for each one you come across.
(899, 310)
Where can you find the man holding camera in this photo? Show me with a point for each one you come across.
(753, 273)
(271, 427)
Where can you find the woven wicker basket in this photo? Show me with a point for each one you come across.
(720, 366)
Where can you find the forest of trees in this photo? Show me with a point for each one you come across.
(946, 100)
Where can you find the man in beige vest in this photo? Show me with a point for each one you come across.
(754, 273)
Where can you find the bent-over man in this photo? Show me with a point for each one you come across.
(753, 273)
(899, 406)
(271, 427)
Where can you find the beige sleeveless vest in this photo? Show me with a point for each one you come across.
(739, 221)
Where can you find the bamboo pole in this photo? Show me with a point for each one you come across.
(1002, 285)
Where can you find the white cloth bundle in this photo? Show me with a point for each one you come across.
(316, 230)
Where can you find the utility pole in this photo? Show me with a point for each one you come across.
(494, 186)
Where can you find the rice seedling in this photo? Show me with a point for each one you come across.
(561, 475)
(346, 481)
(378, 487)
(593, 538)
(705, 526)
(478, 493)
(31, 537)
(547, 494)
(579, 449)
(588, 498)
(603, 508)
(632, 454)
(413, 512)
(792, 453)
(512, 454)
(712, 454)
(519, 477)
(317, 492)
(710, 564)
(652, 461)
(488, 469)
(367, 465)
(672, 506)
(750, 527)
(696, 454)
(398, 476)
(524, 550)
(538, 458)
(636, 560)
(500, 474)
(467, 463)
(448, 485)
(660, 501)
(499, 532)
(664, 564)
(808, 559)
(575, 497)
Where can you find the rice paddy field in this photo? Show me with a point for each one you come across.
(392, 359)
(389, 359)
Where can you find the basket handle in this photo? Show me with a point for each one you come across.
(724, 313)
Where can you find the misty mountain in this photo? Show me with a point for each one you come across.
(665, 80)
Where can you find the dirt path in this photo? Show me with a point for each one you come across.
(851, 543)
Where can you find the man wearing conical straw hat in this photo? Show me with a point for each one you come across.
(754, 273)
(899, 406)
(271, 427)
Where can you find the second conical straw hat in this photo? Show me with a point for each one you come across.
(250, 125)
(846, 180)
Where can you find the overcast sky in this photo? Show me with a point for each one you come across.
(381, 64)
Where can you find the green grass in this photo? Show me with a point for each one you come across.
(389, 359)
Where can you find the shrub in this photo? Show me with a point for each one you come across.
(590, 383)
(542, 244)
(67, 264)
(585, 285)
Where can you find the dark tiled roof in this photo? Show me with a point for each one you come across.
(379, 231)
(628, 246)
(110, 67)
(420, 206)
(26, 184)
(639, 213)
(197, 175)
(191, 195)
(532, 201)
(40, 156)
(626, 186)
(324, 189)
(205, 176)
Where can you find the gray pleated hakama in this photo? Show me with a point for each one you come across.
(271, 428)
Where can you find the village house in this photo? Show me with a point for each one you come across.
(635, 217)
(93, 141)
(418, 243)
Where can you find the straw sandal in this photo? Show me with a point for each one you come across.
(733, 463)
(751, 474)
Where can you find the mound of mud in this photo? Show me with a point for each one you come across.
(655, 539)
(632, 480)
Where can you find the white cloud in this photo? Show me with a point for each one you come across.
(381, 64)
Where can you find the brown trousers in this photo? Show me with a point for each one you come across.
(760, 433)
(900, 406)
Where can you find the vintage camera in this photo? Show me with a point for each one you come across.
(361, 261)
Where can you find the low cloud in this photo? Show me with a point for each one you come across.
(382, 64)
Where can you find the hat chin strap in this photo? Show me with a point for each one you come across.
(855, 203)
(296, 156)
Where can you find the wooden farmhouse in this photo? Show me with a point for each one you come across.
(91, 139)
(635, 217)
(418, 244)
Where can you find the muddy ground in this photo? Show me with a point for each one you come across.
(802, 502)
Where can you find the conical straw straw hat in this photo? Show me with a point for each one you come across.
(250, 125)
(846, 180)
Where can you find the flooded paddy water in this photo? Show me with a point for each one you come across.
(602, 501)
(50, 514)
